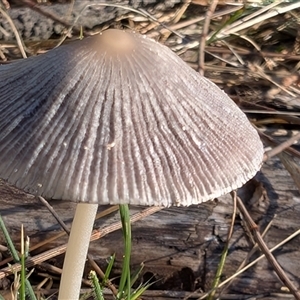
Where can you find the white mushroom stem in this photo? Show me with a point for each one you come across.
(76, 252)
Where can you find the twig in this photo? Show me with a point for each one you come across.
(276, 113)
(271, 142)
(263, 247)
(15, 31)
(109, 284)
(281, 147)
(54, 214)
(258, 71)
(205, 29)
(252, 251)
(6, 4)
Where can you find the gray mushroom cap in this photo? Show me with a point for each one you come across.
(118, 118)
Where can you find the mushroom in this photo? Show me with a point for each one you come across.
(119, 118)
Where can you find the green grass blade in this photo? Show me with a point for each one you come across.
(125, 277)
(22, 291)
(216, 280)
(136, 274)
(232, 19)
(9, 242)
(139, 292)
(15, 255)
(29, 290)
(109, 268)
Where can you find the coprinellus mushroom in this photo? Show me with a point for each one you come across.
(119, 118)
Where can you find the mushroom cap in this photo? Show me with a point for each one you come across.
(119, 118)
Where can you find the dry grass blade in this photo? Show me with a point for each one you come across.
(265, 14)
(192, 21)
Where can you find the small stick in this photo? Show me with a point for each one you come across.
(54, 214)
(265, 250)
(205, 29)
(281, 147)
(15, 31)
(252, 251)
(271, 142)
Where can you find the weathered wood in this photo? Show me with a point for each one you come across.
(182, 246)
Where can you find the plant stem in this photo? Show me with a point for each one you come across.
(9, 242)
(23, 270)
(97, 289)
(125, 277)
(15, 256)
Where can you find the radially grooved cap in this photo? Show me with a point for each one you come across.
(119, 118)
